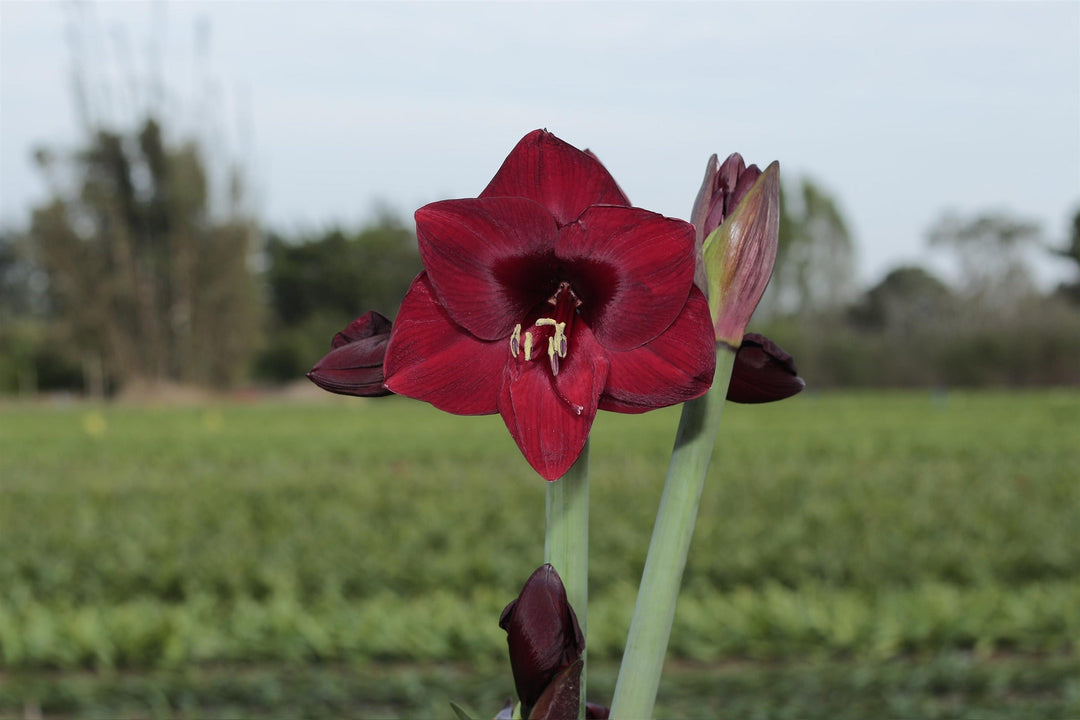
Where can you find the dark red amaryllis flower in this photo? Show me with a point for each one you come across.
(763, 371)
(548, 297)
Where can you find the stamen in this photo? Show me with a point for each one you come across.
(553, 356)
(560, 338)
(561, 320)
(515, 341)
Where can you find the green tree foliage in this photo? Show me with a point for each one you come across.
(18, 330)
(991, 252)
(147, 282)
(815, 260)
(1071, 291)
(31, 355)
(906, 299)
(19, 295)
(320, 283)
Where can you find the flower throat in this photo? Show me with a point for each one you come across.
(553, 326)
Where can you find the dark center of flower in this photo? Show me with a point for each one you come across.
(549, 333)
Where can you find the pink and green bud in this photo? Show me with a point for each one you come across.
(737, 219)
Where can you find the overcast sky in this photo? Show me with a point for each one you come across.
(902, 110)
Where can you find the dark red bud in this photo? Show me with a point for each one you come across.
(370, 324)
(355, 365)
(763, 372)
(596, 712)
(543, 634)
(561, 700)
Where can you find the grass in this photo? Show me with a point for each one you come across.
(900, 554)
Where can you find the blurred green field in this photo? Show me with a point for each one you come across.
(907, 555)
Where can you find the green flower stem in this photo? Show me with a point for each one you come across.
(646, 644)
(566, 545)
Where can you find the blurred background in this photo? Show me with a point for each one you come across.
(195, 196)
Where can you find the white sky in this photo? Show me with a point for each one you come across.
(902, 110)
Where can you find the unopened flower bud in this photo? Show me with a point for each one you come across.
(763, 372)
(543, 634)
(737, 218)
(721, 190)
(355, 364)
(561, 699)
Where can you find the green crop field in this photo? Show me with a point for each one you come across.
(876, 555)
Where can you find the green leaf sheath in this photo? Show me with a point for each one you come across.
(566, 545)
(646, 644)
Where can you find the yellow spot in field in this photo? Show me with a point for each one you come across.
(213, 420)
(94, 424)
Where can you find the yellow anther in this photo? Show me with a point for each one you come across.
(528, 346)
(560, 334)
(560, 338)
(515, 341)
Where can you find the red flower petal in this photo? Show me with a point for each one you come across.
(576, 383)
(548, 418)
(490, 261)
(632, 270)
(430, 358)
(557, 175)
(675, 367)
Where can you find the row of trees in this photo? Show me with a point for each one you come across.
(991, 327)
(147, 266)
(136, 271)
(144, 281)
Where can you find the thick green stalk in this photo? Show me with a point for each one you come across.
(566, 544)
(646, 644)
